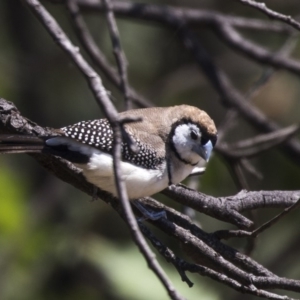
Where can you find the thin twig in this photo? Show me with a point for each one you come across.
(118, 52)
(231, 115)
(258, 144)
(223, 27)
(226, 234)
(159, 13)
(73, 52)
(132, 223)
(228, 208)
(254, 51)
(230, 96)
(102, 97)
(183, 266)
(230, 120)
(189, 234)
(271, 13)
(11, 121)
(89, 44)
(165, 252)
(267, 225)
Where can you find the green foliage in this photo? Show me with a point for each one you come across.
(13, 209)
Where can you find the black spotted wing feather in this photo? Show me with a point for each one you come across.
(96, 133)
(99, 134)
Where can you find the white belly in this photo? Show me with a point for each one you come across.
(140, 182)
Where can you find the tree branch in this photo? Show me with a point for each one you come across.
(88, 43)
(206, 247)
(103, 100)
(212, 258)
(262, 7)
(159, 13)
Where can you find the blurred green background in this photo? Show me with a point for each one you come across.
(55, 243)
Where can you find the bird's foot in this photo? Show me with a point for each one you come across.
(148, 214)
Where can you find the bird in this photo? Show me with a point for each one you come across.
(172, 143)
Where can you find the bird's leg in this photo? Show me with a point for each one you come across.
(148, 214)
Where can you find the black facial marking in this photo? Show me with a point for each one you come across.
(168, 160)
(205, 137)
(204, 140)
(194, 135)
(171, 143)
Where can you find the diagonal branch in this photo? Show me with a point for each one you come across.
(229, 95)
(179, 19)
(159, 13)
(253, 146)
(89, 44)
(229, 208)
(221, 24)
(262, 7)
(118, 52)
(103, 100)
(250, 49)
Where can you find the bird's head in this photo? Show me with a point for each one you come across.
(193, 135)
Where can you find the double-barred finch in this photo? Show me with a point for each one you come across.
(173, 143)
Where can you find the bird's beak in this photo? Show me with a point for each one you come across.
(204, 150)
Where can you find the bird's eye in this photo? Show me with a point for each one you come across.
(194, 135)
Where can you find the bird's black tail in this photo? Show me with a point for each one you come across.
(62, 146)
(11, 143)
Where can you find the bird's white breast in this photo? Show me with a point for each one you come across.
(140, 182)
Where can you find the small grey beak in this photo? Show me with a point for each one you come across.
(204, 150)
